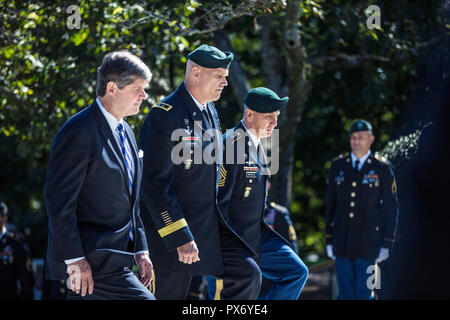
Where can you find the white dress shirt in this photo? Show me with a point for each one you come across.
(113, 123)
(361, 160)
(197, 103)
(3, 232)
(255, 139)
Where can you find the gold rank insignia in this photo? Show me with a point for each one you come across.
(247, 191)
(223, 176)
(162, 105)
(394, 186)
(292, 234)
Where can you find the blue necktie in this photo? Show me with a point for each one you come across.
(126, 152)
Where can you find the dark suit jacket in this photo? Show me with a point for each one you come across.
(89, 205)
(178, 200)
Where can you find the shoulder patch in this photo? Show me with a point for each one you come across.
(339, 157)
(235, 135)
(381, 158)
(162, 105)
(237, 138)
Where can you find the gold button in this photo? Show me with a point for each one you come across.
(352, 204)
(351, 215)
(354, 184)
(370, 185)
(353, 194)
(250, 181)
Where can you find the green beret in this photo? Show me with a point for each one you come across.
(210, 57)
(264, 100)
(360, 125)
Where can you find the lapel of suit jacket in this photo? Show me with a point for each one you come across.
(107, 134)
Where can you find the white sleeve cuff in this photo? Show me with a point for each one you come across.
(73, 260)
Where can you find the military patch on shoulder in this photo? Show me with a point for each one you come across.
(237, 135)
(340, 156)
(162, 105)
(381, 158)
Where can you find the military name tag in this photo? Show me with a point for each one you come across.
(190, 141)
(251, 175)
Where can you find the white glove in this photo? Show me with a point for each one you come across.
(330, 251)
(384, 254)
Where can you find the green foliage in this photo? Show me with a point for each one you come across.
(49, 73)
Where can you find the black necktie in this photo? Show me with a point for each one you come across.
(207, 117)
(356, 166)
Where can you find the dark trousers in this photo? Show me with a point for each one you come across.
(120, 285)
(241, 279)
(242, 275)
(171, 286)
(352, 276)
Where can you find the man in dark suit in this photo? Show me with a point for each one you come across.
(92, 191)
(361, 213)
(179, 191)
(253, 249)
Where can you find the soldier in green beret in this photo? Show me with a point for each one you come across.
(178, 200)
(252, 249)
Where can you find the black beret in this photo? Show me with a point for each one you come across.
(264, 100)
(210, 57)
(360, 125)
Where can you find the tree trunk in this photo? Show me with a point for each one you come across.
(299, 89)
(237, 76)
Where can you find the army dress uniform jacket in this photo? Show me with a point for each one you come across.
(179, 197)
(278, 218)
(243, 190)
(361, 207)
(15, 265)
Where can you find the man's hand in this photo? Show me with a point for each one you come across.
(384, 254)
(81, 277)
(188, 253)
(145, 268)
(330, 251)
